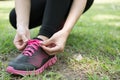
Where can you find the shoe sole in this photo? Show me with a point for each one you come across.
(49, 63)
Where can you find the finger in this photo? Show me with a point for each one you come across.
(25, 39)
(52, 50)
(23, 46)
(47, 42)
(20, 46)
(47, 50)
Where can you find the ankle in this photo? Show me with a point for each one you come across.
(42, 37)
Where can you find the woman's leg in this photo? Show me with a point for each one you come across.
(36, 14)
(88, 5)
(55, 14)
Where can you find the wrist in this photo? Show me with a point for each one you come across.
(66, 33)
(23, 26)
(22, 29)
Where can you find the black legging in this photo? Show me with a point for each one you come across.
(50, 14)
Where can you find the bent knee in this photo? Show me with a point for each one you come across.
(12, 18)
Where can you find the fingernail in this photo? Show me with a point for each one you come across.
(41, 42)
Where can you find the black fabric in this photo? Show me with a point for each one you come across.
(88, 5)
(50, 14)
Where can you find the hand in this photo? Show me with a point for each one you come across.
(55, 44)
(21, 38)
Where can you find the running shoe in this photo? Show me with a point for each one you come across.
(32, 61)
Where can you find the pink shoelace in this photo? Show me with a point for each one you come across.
(31, 47)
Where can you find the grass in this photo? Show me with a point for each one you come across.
(96, 37)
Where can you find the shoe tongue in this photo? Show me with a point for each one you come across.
(33, 41)
(38, 39)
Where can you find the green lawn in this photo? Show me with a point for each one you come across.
(96, 37)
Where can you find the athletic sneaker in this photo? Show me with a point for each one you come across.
(32, 61)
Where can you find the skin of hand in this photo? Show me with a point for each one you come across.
(57, 42)
(22, 8)
(21, 38)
